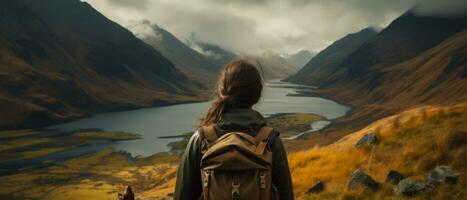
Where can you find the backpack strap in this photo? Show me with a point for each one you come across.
(262, 139)
(210, 135)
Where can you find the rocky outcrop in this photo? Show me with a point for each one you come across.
(316, 188)
(409, 188)
(360, 179)
(442, 174)
(369, 139)
(394, 177)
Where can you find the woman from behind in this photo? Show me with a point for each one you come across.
(252, 142)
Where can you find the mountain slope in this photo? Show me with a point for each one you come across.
(411, 142)
(187, 60)
(272, 66)
(300, 58)
(327, 62)
(406, 37)
(434, 77)
(61, 59)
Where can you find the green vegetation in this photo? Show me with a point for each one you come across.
(23, 144)
(292, 123)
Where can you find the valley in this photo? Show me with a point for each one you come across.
(89, 106)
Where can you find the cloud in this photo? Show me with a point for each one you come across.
(131, 4)
(242, 2)
(145, 30)
(257, 26)
(444, 8)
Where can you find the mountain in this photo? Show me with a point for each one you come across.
(406, 37)
(61, 59)
(187, 60)
(215, 53)
(301, 58)
(326, 62)
(416, 60)
(272, 66)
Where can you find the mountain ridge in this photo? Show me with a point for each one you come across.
(328, 61)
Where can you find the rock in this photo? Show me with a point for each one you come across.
(367, 140)
(359, 179)
(394, 177)
(441, 174)
(409, 188)
(316, 188)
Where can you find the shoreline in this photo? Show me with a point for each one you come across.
(157, 103)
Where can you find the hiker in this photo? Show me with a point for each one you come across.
(234, 154)
(128, 194)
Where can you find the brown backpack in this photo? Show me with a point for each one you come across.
(236, 165)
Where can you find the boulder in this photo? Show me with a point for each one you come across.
(442, 174)
(316, 188)
(360, 179)
(394, 177)
(409, 188)
(367, 140)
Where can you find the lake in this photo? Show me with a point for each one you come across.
(152, 123)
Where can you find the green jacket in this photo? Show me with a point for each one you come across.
(188, 185)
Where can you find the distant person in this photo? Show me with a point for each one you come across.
(128, 194)
(234, 154)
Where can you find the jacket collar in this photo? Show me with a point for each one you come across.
(241, 118)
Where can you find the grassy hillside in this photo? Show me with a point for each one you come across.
(412, 143)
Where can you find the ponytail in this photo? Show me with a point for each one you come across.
(218, 107)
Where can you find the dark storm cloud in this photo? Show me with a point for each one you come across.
(257, 26)
(132, 4)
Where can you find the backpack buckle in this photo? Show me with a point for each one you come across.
(207, 174)
(235, 190)
(262, 180)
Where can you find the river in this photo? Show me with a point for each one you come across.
(152, 123)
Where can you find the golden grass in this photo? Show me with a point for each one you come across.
(99, 175)
(412, 143)
(18, 133)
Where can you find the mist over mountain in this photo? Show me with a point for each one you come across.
(214, 52)
(194, 64)
(272, 65)
(62, 59)
(300, 58)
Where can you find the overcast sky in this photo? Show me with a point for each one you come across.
(257, 26)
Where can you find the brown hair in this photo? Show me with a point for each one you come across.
(239, 86)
